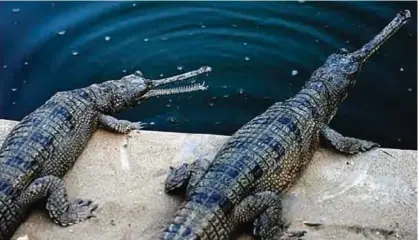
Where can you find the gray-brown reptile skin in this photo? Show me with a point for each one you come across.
(45, 144)
(265, 157)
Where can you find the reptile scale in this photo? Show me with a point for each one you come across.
(244, 181)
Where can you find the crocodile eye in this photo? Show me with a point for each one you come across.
(139, 73)
(351, 69)
(342, 51)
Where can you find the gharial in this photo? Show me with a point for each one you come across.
(245, 180)
(45, 144)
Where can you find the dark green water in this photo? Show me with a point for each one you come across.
(253, 48)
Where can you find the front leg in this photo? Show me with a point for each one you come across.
(60, 209)
(118, 126)
(346, 145)
(265, 209)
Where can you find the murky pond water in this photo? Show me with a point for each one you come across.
(261, 52)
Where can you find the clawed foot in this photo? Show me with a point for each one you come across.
(292, 235)
(367, 145)
(347, 145)
(280, 233)
(77, 211)
(362, 146)
(177, 178)
(138, 125)
(127, 126)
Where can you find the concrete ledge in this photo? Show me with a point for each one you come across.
(368, 196)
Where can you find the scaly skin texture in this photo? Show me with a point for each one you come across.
(264, 158)
(45, 144)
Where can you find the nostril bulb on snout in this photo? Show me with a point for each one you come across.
(342, 50)
(405, 13)
(207, 68)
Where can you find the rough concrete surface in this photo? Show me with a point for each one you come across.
(368, 196)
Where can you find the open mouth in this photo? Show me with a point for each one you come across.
(177, 78)
(368, 49)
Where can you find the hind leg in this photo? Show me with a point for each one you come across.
(265, 209)
(60, 209)
(180, 177)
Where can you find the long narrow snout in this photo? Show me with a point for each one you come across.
(184, 89)
(204, 69)
(368, 49)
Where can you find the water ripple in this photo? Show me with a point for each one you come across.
(253, 46)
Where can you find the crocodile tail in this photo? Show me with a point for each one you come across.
(180, 227)
(195, 221)
(10, 218)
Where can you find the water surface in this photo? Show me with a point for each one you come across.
(261, 52)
